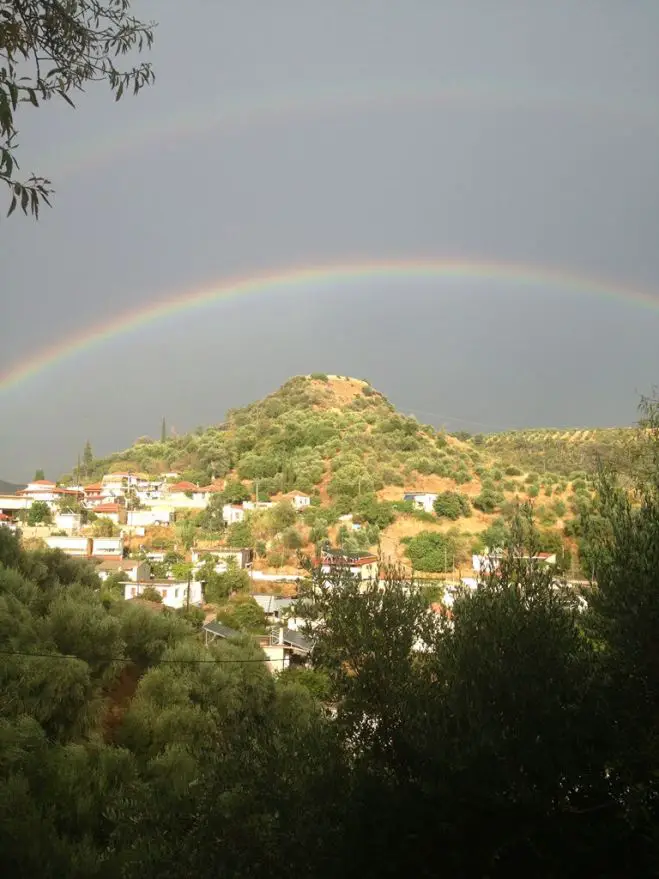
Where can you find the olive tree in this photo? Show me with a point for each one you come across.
(52, 49)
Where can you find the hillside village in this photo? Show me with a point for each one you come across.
(323, 469)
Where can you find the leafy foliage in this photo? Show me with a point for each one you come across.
(431, 551)
(526, 710)
(452, 505)
(242, 613)
(51, 50)
(39, 514)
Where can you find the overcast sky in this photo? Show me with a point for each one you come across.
(289, 133)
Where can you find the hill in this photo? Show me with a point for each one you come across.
(10, 487)
(560, 451)
(333, 435)
(343, 443)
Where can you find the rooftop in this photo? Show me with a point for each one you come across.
(184, 486)
(220, 630)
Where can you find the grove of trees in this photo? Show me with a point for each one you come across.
(514, 734)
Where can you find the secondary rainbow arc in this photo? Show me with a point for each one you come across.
(235, 111)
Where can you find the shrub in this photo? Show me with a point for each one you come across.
(488, 500)
(242, 613)
(452, 505)
(430, 551)
(513, 471)
(277, 559)
(292, 539)
(531, 477)
(319, 377)
(533, 491)
(151, 594)
(281, 516)
(546, 516)
(314, 680)
(380, 513)
(391, 476)
(39, 514)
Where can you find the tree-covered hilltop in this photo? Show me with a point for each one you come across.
(343, 443)
(512, 731)
(312, 432)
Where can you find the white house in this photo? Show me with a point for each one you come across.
(273, 605)
(490, 561)
(364, 567)
(232, 513)
(280, 647)
(113, 512)
(68, 521)
(174, 593)
(10, 503)
(222, 556)
(153, 516)
(253, 505)
(187, 496)
(422, 500)
(48, 492)
(90, 547)
(134, 569)
(297, 498)
(115, 484)
(40, 490)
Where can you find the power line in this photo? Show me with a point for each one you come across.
(89, 659)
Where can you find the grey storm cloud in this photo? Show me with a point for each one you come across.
(301, 133)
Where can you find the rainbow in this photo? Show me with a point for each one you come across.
(235, 112)
(312, 278)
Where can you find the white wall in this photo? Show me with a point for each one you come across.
(69, 545)
(67, 521)
(108, 546)
(261, 575)
(425, 502)
(174, 594)
(14, 502)
(278, 657)
(180, 500)
(153, 516)
(232, 514)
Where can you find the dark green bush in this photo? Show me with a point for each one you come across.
(452, 505)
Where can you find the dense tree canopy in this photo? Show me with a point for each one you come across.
(512, 731)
